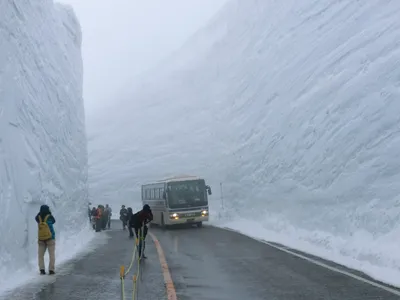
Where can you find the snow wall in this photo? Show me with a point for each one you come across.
(294, 107)
(43, 147)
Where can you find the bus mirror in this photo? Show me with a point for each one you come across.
(208, 190)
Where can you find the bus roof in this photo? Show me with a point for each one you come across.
(180, 178)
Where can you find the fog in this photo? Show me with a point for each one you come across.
(122, 39)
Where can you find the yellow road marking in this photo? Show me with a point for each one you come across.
(169, 284)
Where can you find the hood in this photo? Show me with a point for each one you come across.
(44, 210)
(146, 208)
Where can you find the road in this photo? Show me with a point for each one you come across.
(95, 276)
(205, 264)
(210, 263)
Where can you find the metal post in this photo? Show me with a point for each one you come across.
(222, 196)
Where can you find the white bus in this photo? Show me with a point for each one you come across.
(177, 200)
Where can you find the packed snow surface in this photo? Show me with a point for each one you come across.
(294, 107)
(43, 152)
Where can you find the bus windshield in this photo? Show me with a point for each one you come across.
(187, 194)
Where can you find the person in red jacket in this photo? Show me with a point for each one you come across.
(98, 216)
(138, 222)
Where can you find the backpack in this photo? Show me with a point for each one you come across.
(44, 232)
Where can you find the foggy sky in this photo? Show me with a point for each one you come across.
(122, 38)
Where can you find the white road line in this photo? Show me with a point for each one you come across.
(321, 264)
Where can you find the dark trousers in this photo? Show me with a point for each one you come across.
(109, 223)
(130, 231)
(98, 225)
(124, 222)
(141, 236)
(104, 222)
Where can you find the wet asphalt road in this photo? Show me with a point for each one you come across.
(205, 264)
(96, 275)
(214, 264)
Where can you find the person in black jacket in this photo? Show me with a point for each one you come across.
(129, 216)
(138, 222)
(123, 216)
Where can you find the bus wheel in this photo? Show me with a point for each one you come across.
(200, 224)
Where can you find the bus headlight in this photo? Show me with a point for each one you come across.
(174, 216)
(204, 212)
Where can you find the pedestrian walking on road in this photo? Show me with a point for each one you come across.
(123, 216)
(46, 239)
(129, 216)
(139, 222)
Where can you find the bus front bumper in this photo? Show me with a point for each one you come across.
(188, 220)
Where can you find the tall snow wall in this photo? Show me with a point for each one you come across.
(294, 107)
(43, 147)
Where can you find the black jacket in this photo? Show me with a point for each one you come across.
(140, 218)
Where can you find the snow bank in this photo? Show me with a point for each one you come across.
(43, 154)
(293, 105)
